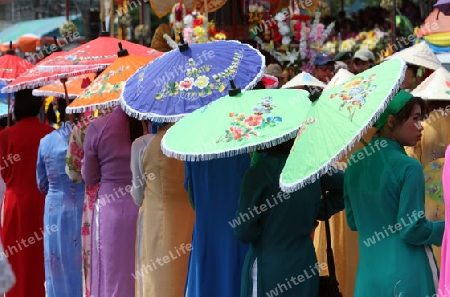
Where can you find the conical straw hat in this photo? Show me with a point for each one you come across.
(420, 55)
(303, 79)
(435, 87)
(340, 77)
(158, 41)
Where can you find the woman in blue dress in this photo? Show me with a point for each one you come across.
(217, 255)
(63, 210)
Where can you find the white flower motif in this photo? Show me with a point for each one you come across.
(286, 40)
(284, 29)
(202, 81)
(280, 17)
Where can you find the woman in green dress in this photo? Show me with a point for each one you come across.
(281, 260)
(384, 193)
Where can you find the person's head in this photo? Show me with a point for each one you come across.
(363, 60)
(410, 80)
(323, 67)
(277, 71)
(26, 105)
(136, 128)
(344, 57)
(401, 121)
(61, 107)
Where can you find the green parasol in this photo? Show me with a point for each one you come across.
(338, 119)
(238, 123)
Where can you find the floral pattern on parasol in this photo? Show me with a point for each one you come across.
(243, 127)
(196, 84)
(433, 180)
(354, 93)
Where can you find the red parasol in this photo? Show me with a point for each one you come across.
(11, 67)
(94, 55)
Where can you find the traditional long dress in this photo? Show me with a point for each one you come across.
(444, 280)
(217, 256)
(384, 202)
(343, 240)
(107, 156)
(434, 142)
(165, 221)
(74, 157)
(63, 209)
(23, 206)
(280, 234)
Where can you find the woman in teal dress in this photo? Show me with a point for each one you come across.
(384, 195)
(281, 260)
(62, 213)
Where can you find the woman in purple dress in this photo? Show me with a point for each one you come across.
(107, 157)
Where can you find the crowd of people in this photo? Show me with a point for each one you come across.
(95, 209)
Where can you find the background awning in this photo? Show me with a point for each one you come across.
(37, 28)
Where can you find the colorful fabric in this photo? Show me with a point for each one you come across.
(432, 146)
(444, 281)
(216, 261)
(107, 156)
(385, 190)
(23, 206)
(63, 209)
(165, 223)
(74, 157)
(280, 234)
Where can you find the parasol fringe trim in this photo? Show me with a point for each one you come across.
(39, 93)
(33, 83)
(2, 116)
(80, 109)
(289, 188)
(74, 71)
(229, 153)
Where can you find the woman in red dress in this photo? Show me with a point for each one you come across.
(23, 210)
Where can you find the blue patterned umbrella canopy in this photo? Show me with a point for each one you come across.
(180, 82)
(3, 102)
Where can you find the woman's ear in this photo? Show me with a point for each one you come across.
(391, 122)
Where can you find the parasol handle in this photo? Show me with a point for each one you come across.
(8, 120)
(71, 116)
(183, 46)
(233, 91)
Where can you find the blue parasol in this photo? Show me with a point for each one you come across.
(3, 102)
(190, 77)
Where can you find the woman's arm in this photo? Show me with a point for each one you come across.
(41, 172)
(246, 225)
(74, 156)
(332, 184)
(90, 169)
(414, 227)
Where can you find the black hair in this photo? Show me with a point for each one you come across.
(136, 128)
(314, 92)
(51, 115)
(282, 148)
(26, 105)
(259, 86)
(403, 114)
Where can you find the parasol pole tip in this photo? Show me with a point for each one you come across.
(233, 91)
(183, 46)
(10, 51)
(122, 52)
(58, 48)
(104, 32)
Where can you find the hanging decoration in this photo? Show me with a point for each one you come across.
(67, 28)
(292, 37)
